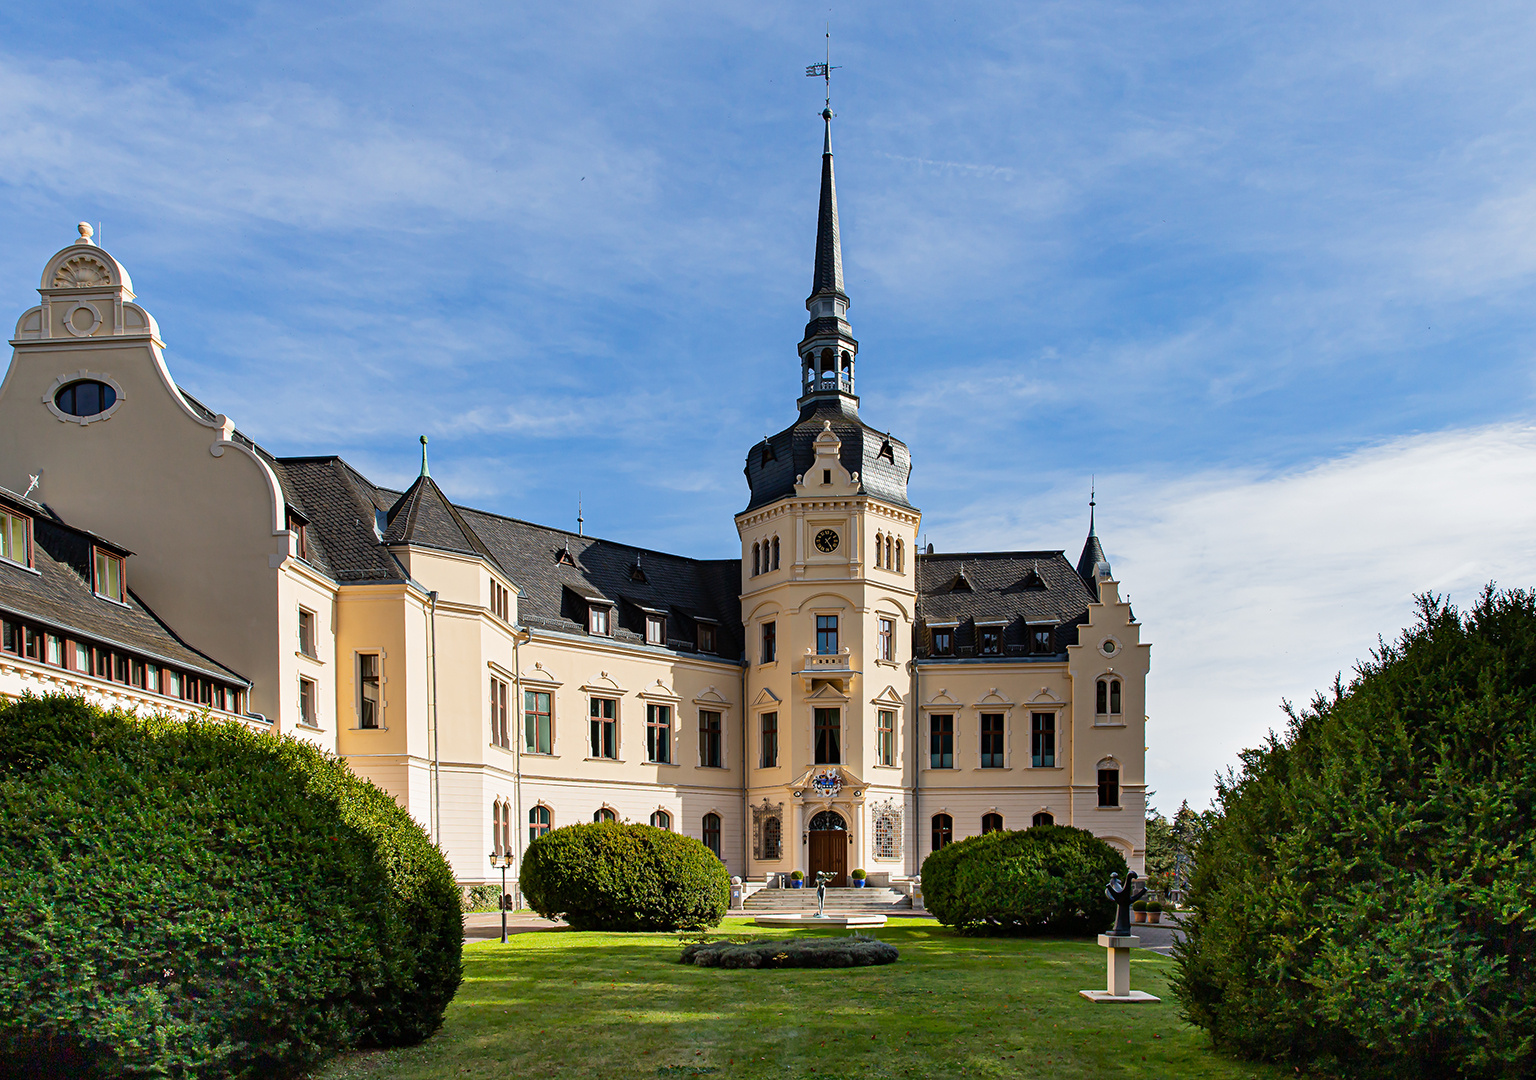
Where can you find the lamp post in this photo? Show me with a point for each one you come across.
(502, 860)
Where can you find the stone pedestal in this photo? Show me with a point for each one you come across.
(1118, 973)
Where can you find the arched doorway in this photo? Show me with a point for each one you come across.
(829, 847)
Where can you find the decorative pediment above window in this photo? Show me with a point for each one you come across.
(1046, 696)
(712, 699)
(993, 698)
(539, 676)
(604, 685)
(888, 696)
(659, 691)
(766, 697)
(827, 691)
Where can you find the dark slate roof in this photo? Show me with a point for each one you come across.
(554, 595)
(829, 248)
(59, 596)
(882, 462)
(1014, 588)
(424, 516)
(1092, 556)
(340, 505)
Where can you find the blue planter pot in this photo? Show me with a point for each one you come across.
(858, 882)
(793, 884)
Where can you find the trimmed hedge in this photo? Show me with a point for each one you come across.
(1045, 880)
(606, 875)
(426, 940)
(856, 950)
(1363, 903)
(199, 900)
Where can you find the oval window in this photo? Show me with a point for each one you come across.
(85, 398)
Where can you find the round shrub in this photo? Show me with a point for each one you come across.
(611, 876)
(1362, 904)
(426, 940)
(174, 902)
(1045, 880)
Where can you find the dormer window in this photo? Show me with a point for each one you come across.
(655, 629)
(599, 619)
(296, 525)
(706, 637)
(943, 640)
(989, 640)
(14, 537)
(1040, 640)
(109, 575)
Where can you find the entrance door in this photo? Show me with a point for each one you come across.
(829, 848)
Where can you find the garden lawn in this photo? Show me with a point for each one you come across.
(579, 1005)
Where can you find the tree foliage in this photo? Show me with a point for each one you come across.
(607, 875)
(1045, 880)
(1364, 900)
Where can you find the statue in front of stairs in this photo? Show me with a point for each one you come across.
(822, 877)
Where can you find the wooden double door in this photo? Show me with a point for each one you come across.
(829, 848)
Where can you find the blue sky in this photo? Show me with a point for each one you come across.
(1267, 272)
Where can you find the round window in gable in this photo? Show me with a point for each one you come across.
(85, 398)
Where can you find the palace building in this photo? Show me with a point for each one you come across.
(835, 698)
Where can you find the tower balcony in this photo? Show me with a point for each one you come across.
(833, 667)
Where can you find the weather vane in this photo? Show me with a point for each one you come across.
(824, 71)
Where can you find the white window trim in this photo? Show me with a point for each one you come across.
(357, 690)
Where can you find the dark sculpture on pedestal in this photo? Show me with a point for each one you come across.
(1124, 896)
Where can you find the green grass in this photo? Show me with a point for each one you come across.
(578, 1005)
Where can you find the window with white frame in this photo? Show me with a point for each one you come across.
(306, 632)
(307, 703)
(500, 600)
(710, 750)
(599, 619)
(538, 722)
(14, 531)
(887, 830)
(712, 833)
(886, 646)
(769, 741)
(604, 717)
(658, 733)
(655, 628)
(500, 735)
(1109, 783)
(109, 575)
(1042, 740)
(992, 740)
(369, 713)
(706, 637)
(770, 641)
(885, 737)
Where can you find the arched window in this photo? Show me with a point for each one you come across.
(991, 823)
(1042, 818)
(773, 839)
(943, 831)
(775, 552)
(890, 553)
(1108, 703)
(1109, 783)
(901, 557)
(879, 548)
(757, 558)
(538, 823)
(847, 363)
(712, 833)
(661, 819)
(498, 845)
(828, 365)
(605, 814)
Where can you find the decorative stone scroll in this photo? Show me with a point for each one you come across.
(768, 831)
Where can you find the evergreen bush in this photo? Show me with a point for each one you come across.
(174, 902)
(1046, 880)
(1362, 905)
(194, 899)
(608, 875)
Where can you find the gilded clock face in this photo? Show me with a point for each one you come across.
(826, 540)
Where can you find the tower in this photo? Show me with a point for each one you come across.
(828, 598)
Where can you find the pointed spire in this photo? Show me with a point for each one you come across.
(1092, 564)
(829, 246)
(424, 470)
(580, 521)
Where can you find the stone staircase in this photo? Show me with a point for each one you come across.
(843, 901)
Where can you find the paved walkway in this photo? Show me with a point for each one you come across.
(486, 925)
(1158, 937)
